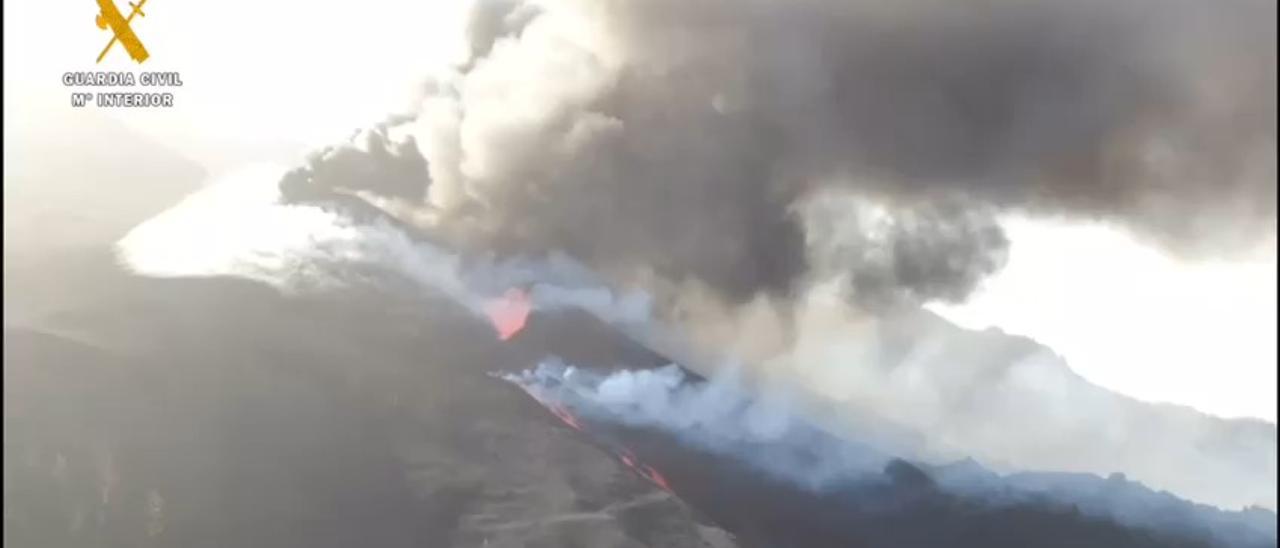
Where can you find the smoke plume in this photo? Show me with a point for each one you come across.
(746, 155)
(680, 138)
(370, 163)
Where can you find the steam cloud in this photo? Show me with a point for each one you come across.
(720, 416)
(684, 137)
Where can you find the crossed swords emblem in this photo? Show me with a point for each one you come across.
(109, 16)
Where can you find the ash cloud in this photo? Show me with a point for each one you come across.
(679, 137)
(764, 150)
(370, 162)
(936, 251)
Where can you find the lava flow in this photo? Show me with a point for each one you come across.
(510, 313)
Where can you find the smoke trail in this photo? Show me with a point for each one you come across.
(719, 416)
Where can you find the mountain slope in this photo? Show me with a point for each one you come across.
(1014, 404)
(217, 412)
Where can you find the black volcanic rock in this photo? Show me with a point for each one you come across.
(218, 412)
(901, 508)
(908, 476)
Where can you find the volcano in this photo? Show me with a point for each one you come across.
(222, 412)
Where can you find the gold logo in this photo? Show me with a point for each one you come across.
(109, 16)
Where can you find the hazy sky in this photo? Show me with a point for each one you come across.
(1132, 318)
(265, 74)
(279, 77)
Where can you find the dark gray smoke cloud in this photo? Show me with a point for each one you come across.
(370, 163)
(938, 250)
(683, 137)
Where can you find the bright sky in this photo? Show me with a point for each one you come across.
(1135, 320)
(296, 73)
(255, 73)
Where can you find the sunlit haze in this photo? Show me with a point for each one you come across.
(266, 74)
(1133, 319)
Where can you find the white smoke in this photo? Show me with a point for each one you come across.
(770, 433)
(721, 416)
(238, 226)
(1005, 401)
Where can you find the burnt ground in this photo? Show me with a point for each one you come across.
(901, 507)
(218, 412)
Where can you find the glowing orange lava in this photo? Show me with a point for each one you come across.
(564, 415)
(657, 479)
(645, 471)
(510, 313)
